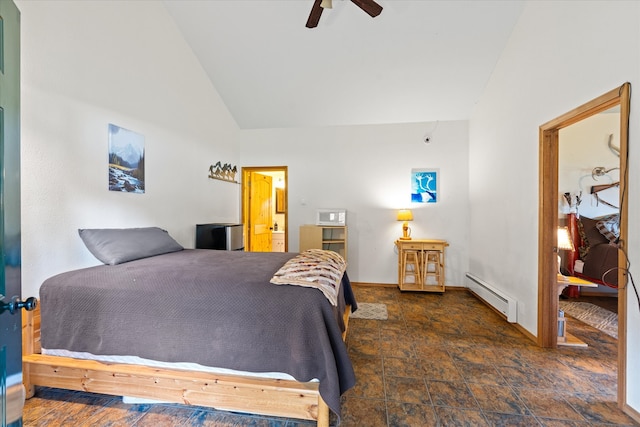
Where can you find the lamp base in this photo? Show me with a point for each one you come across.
(404, 238)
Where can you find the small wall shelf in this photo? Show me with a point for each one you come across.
(225, 172)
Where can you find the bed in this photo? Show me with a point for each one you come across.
(595, 254)
(194, 326)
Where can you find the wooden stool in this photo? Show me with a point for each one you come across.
(431, 267)
(411, 259)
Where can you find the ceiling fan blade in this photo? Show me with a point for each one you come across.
(369, 6)
(314, 16)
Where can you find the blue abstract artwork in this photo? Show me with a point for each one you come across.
(424, 186)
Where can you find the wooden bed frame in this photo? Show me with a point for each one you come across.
(281, 398)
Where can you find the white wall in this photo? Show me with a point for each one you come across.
(367, 170)
(561, 55)
(584, 146)
(87, 64)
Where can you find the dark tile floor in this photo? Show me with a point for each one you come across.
(439, 360)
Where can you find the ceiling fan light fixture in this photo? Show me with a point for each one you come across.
(372, 8)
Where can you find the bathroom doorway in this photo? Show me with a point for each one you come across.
(264, 208)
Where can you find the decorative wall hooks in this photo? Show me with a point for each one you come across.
(224, 172)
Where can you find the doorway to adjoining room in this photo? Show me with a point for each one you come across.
(549, 269)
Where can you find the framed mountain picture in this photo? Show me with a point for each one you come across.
(126, 160)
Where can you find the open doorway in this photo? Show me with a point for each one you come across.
(548, 221)
(264, 208)
(588, 215)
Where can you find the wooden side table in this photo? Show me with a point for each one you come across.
(564, 337)
(421, 265)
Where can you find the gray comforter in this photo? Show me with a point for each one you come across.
(216, 308)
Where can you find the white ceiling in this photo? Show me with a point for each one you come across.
(420, 60)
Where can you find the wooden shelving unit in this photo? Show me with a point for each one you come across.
(333, 238)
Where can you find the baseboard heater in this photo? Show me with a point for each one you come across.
(499, 300)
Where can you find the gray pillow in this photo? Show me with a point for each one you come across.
(117, 245)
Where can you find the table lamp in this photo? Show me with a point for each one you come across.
(405, 215)
(564, 243)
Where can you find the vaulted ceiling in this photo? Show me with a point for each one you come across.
(419, 60)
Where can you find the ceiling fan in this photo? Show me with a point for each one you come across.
(369, 6)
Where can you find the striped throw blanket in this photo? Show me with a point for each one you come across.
(314, 268)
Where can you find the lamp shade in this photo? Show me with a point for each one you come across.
(405, 215)
(564, 240)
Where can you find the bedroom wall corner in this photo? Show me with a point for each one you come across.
(367, 171)
(83, 71)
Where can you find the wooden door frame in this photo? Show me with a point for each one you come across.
(548, 221)
(246, 171)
